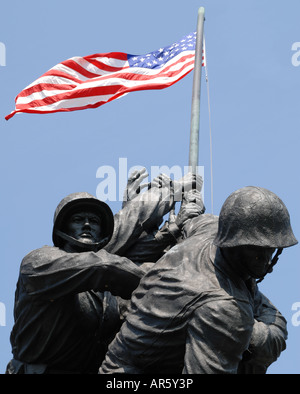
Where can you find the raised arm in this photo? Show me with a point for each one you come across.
(52, 273)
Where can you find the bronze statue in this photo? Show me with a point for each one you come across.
(199, 309)
(69, 299)
(65, 314)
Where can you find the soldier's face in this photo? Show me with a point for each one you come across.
(257, 260)
(251, 261)
(84, 226)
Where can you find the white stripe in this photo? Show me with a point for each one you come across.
(111, 61)
(51, 80)
(41, 95)
(78, 102)
(68, 70)
(95, 70)
(86, 65)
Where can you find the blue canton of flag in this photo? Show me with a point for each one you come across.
(157, 59)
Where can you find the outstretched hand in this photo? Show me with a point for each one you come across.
(134, 185)
(161, 181)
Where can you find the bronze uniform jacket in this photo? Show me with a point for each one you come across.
(191, 313)
(64, 312)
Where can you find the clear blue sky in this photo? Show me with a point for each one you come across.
(254, 95)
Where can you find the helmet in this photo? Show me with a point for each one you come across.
(85, 201)
(254, 216)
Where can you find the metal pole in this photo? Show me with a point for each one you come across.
(195, 116)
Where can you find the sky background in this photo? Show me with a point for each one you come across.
(254, 96)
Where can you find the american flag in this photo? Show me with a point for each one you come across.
(91, 81)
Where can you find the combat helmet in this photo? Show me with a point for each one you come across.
(85, 200)
(254, 216)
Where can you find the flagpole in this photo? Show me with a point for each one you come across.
(195, 114)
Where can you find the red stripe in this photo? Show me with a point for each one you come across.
(81, 70)
(34, 111)
(45, 86)
(152, 85)
(182, 59)
(57, 73)
(73, 65)
(96, 91)
(7, 117)
(105, 67)
(111, 55)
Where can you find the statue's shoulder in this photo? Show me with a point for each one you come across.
(38, 257)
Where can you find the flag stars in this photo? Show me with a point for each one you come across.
(162, 55)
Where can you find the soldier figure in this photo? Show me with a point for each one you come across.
(199, 310)
(65, 314)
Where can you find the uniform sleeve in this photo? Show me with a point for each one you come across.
(217, 336)
(268, 338)
(51, 273)
(150, 247)
(145, 212)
